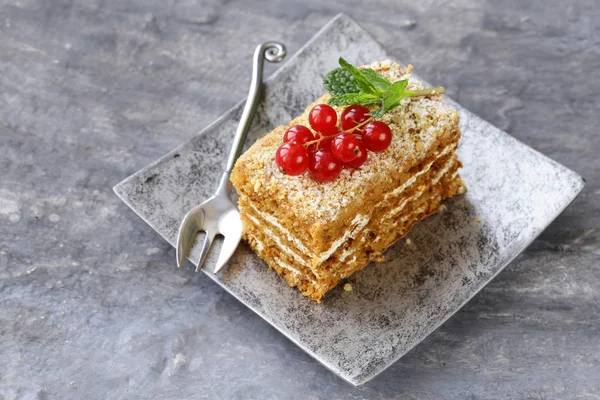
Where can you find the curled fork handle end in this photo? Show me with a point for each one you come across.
(273, 52)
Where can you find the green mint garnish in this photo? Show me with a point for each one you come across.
(376, 79)
(354, 98)
(339, 82)
(349, 85)
(360, 79)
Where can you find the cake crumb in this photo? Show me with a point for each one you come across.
(443, 208)
(408, 242)
(380, 258)
(347, 287)
(478, 219)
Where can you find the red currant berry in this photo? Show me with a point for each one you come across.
(299, 134)
(345, 147)
(354, 115)
(323, 165)
(325, 143)
(360, 159)
(377, 136)
(323, 118)
(292, 158)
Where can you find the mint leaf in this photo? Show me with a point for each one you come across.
(376, 79)
(378, 113)
(354, 98)
(350, 85)
(339, 82)
(394, 95)
(392, 98)
(360, 79)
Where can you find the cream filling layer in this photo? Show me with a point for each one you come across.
(277, 240)
(357, 224)
(396, 192)
(400, 189)
(347, 252)
(288, 267)
(287, 233)
(400, 207)
(344, 272)
(285, 249)
(434, 182)
(260, 245)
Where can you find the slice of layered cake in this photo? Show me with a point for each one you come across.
(327, 194)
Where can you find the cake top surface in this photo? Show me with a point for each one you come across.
(421, 127)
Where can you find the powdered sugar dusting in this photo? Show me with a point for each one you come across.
(419, 125)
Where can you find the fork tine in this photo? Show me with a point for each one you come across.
(208, 239)
(187, 233)
(230, 243)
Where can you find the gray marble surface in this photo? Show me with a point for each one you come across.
(514, 191)
(91, 305)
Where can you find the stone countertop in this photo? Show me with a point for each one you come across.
(91, 304)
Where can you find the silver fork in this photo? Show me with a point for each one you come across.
(219, 214)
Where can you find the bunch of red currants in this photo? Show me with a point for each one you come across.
(331, 148)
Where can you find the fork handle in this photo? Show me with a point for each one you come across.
(273, 52)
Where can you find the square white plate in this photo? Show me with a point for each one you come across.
(514, 190)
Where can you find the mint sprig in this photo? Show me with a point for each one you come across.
(339, 82)
(350, 85)
(376, 79)
(360, 79)
(354, 98)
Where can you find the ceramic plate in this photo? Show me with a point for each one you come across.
(513, 193)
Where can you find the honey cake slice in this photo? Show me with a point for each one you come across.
(315, 234)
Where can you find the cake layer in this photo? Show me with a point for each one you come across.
(368, 245)
(318, 214)
(299, 275)
(399, 195)
(395, 203)
(357, 244)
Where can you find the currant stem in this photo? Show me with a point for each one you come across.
(337, 133)
(426, 92)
